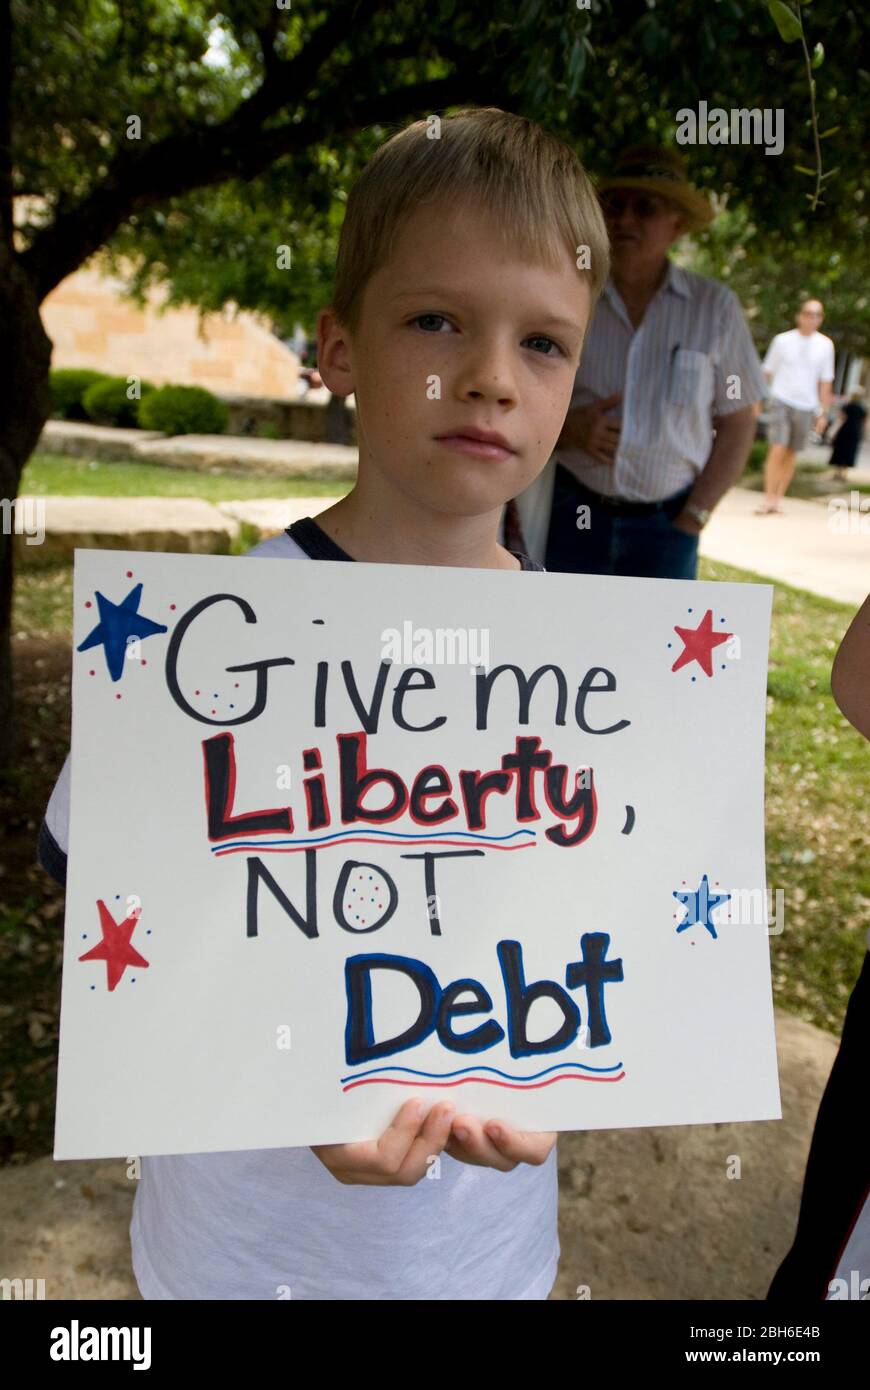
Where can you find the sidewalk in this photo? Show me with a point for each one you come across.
(799, 547)
(821, 453)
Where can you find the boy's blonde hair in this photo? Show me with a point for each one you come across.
(527, 180)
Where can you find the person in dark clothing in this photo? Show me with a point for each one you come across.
(830, 1255)
(847, 440)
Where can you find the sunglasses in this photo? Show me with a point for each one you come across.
(643, 205)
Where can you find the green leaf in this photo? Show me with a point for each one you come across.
(831, 172)
(818, 55)
(825, 133)
(786, 21)
(799, 169)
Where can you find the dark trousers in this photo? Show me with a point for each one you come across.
(838, 1167)
(647, 545)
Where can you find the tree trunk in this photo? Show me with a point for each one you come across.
(25, 402)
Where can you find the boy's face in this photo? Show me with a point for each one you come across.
(458, 334)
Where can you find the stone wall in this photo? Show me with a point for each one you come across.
(92, 325)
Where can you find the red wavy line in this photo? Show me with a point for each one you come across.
(481, 1081)
(365, 840)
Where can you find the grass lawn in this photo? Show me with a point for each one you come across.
(57, 474)
(817, 809)
(816, 813)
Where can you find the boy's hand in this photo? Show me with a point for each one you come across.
(402, 1155)
(494, 1144)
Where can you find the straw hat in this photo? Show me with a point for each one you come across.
(653, 169)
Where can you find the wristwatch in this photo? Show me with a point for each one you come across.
(701, 515)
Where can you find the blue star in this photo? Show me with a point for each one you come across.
(118, 622)
(700, 905)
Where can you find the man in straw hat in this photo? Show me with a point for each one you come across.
(663, 412)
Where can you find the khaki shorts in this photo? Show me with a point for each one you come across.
(788, 426)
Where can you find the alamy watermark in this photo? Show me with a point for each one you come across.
(850, 518)
(439, 646)
(25, 516)
(739, 126)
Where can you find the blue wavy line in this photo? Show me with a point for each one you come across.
(369, 830)
(442, 1076)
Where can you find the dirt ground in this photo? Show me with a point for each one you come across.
(644, 1214)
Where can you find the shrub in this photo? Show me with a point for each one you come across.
(183, 410)
(107, 401)
(68, 386)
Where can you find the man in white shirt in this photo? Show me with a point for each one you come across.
(799, 367)
(663, 412)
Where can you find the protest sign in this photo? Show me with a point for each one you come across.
(343, 834)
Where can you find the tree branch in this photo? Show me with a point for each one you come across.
(211, 155)
(288, 79)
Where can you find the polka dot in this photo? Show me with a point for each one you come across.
(92, 673)
(93, 986)
(196, 692)
(84, 936)
(172, 607)
(670, 644)
(118, 696)
(129, 574)
(88, 603)
(722, 668)
(232, 706)
(694, 678)
(691, 610)
(236, 685)
(144, 662)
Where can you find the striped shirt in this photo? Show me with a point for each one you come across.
(691, 359)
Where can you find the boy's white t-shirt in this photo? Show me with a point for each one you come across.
(275, 1223)
(797, 363)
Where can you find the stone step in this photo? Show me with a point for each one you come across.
(50, 529)
(271, 515)
(288, 458)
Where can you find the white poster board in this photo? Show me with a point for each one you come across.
(345, 834)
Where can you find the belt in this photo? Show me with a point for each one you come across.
(620, 506)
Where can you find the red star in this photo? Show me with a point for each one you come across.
(698, 643)
(115, 948)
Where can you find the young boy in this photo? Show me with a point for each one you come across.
(467, 271)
